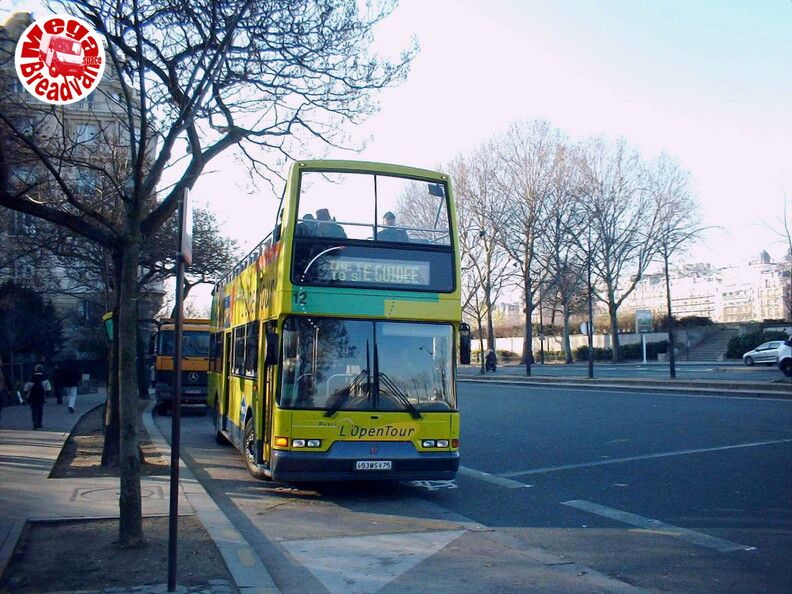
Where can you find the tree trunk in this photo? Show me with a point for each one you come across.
(527, 357)
(490, 325)
(187, 287)
(481, 343)
(130, 525)
(567, 342)
(614, 328)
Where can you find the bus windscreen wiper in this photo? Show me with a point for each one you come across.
(394, 390)
(345, 392)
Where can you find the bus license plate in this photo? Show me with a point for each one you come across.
(373, 465)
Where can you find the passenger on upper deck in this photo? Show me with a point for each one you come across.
(391, 232)
(326, 226)
(306, 227)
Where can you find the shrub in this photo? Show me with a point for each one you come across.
(581, 353)
(739, 345)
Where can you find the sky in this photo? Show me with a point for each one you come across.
(708, 82)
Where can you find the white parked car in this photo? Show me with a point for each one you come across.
(785, 358)
(766, 352)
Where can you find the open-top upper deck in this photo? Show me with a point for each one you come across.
(353, 238)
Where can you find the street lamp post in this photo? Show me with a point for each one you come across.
(590, 328)
(541, 328)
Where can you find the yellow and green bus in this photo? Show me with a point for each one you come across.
(334, 342)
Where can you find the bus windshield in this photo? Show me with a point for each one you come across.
(333, 364)
(195, 343)
(375, 207)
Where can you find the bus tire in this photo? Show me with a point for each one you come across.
(163, 408)
(248, 451)
(220, 438)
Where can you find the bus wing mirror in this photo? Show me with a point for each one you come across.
(271, 346)
(276, 233)
(464, 344)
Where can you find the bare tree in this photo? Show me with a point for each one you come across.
(528, 157)
(194, 80)
(481, 215)
(678, 226)
(564, 262)
(624, 220)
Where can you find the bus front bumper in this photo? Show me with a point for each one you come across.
(340, 461)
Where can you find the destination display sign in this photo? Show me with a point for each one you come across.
(373, 271)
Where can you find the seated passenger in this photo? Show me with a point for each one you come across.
(390, 232)
(327, 227)
(306, 227)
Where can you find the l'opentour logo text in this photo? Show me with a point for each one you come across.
(60, 59)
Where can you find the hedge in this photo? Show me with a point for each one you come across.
(739, 345)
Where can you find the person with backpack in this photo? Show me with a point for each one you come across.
(36, 389)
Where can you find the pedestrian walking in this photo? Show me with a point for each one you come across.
(36, 389)
(71, 379)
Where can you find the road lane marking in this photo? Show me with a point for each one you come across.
(636, 458)
(492, 478)
(698, 538)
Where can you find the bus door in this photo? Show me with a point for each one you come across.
(226, 375)
(268, 376)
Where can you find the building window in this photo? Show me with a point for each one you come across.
(86, 134)
(86, 183)
(23, 269)
(21, 224)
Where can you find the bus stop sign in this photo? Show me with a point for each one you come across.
(643, 321)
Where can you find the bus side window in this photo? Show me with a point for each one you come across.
(239, 351)
(251, 349)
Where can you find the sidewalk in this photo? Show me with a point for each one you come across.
(27, 494)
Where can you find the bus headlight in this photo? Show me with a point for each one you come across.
(298, 443)
(314, 443)
(442, 443)
(428, 443)
(435, 443)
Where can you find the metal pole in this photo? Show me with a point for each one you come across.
(590, 313)
(541, 328)
(643, 346)
(670, 322)
(176, 412)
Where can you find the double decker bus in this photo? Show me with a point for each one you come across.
(334, 342)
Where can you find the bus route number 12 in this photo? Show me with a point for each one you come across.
(300, 298)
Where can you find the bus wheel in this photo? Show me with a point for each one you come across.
(249, 451)
(219, 437)
(163, 408)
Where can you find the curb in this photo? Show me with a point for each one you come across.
(247, 570)
(727, 390)
(9, 544)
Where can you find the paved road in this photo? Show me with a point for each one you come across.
(718, 371)
(662, 492)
